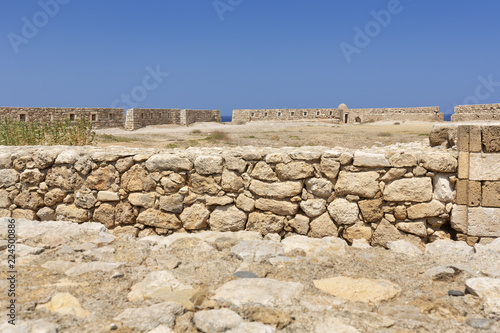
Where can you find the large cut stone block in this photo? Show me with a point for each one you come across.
(371, 160)
(475, 139)
(491, 139)
(463, 165)
(463, 138)
(411, 189)
(491, 194)
(484, 222)
(484, 167)
(363, 184)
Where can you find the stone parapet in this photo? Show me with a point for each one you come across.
(476, 112)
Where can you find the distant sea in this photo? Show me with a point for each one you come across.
(226, 119)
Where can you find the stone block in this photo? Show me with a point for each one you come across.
(475, 142)
(462, 192)
(484, 167)
(483, 222)
(474, 194)
(412, 189)
(459, 218)
(371, 160)
(491, 194)
(463, 138)
(491, 139)
(463, 165)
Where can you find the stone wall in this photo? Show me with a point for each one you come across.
(137, 118)
(477, 212)
(380, 196)
(476, 112)
(100, 117)
(340, 115)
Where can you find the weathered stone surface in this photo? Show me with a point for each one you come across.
(346, 158)
(327, 246)
(123, 164)
(358, 290)
(275, 158)
(257, 250)
(8, 177)
(440, 162)
(319, 187)
(300, 224)
(371, 210)
(263, 171)
(276, 190)
(227, 218)
(106, 196)
(245, 203)
(65, 304)
(276, 206)
(31, 177)
(392, 174)
(491, 194)
(305, 155)
(404, 247)
(147, 318)
(411, 189)
(214, 321)
(416, 228)
(218, 201)
(385, 233)
(459, 218)
(46, 214)
(124, 214)
(235, 164)
(358, 231)
(329, 167)
(363, 184)
(443, 248)
(323, 226)
(5, 161)
(427, 209)
(23, 214)
(94, 266)
(265, 223)
(4, 199)
(173, 182)
(294, 170)
(370, 160)
(105, 214)
(231, 182)
(137, 179)
(403, 160)
(72, 213)
(171, 203)
(154, 284)
(332, 324)
(313, 207)
(146, 200)
(443, 189)
(483, 222)
(29, 200)
(166, 162)
(158, 219)
(263, 292)
(200, 184)
(343, 211)
(208, 165)
(483, 287)
(85, 199)
(491, 139)
(69, 156)
(195, 217)
(102, 178)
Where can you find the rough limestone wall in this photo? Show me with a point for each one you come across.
(430, 114)
(189, 117)
(476, 112)
(383, 196)
(284, 114)
(137, 118)
(477, 212)
(100, 117)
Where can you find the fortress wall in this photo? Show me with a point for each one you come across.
(193, 116)
(381, 195)
(245, 115)
(482, 112)
(430, 114)
(137, 118)
(100, 117)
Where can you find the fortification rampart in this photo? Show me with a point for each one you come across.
(137, 118)
(99, 117)
(393, 193)
(481, 112)
(189, 117)
(340, 115)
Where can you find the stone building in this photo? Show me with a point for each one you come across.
(476, 112)
(137, 118)
(342, 114)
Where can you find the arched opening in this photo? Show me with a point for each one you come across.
(358, 120)
(346, 118)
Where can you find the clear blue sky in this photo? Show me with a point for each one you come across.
(249, 54)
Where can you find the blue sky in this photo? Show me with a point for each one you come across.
(229, 54)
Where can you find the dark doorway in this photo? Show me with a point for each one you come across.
(346, 118)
